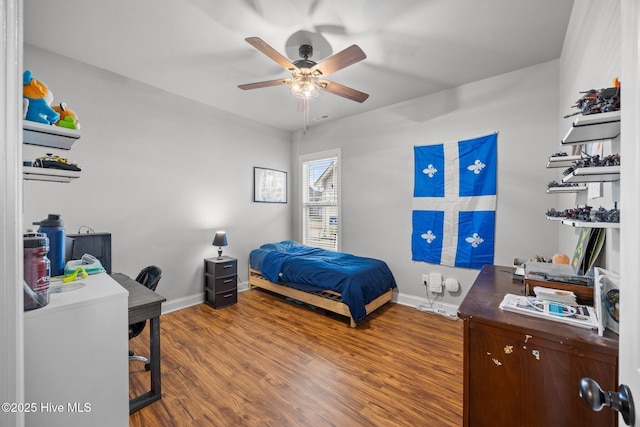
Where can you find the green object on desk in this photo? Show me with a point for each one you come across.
(74, 275)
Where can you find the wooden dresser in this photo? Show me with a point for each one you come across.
(525, 371)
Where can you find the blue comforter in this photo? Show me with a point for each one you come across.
(358, 279)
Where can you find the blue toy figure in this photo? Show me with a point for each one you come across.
(40, 99)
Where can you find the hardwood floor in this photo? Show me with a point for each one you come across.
(266, 361)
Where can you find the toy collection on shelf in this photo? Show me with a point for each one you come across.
(587, 214)
(591, 103)
(38, 108)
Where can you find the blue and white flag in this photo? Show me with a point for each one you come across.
(454, 202)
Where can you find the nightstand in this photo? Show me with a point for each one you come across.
(221, 281)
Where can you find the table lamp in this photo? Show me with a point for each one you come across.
(220, 240)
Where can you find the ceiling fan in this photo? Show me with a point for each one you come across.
(307, 76)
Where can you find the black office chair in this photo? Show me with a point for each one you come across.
(150, 277)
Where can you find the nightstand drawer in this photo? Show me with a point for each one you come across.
(222, 268)
(221, 299)
(221, 284)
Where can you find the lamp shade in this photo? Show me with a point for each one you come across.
(220, 239)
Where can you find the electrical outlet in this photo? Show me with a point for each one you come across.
(425, 279)
(435, 282)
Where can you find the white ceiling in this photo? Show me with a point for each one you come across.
(196, 48)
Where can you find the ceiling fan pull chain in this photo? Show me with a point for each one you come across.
(306, 115)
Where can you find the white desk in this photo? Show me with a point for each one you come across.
(76, 357)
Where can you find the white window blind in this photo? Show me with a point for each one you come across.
(320, 203)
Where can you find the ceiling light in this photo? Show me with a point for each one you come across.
(304, 86)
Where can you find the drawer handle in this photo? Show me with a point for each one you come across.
(227, 266)
(228, 281)
(228, 295)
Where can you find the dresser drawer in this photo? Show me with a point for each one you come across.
(221, 284)
(221, 299)
(222, 268)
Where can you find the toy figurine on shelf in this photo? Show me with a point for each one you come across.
(556, 184)
(68, 119)
(599, 101)
(553, 213)
(587, 161)
(40, 99)
(51, 161)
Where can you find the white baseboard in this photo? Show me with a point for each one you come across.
(191, 300)
(445, 309)
(180, 303)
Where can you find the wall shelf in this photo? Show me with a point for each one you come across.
(48, 135)
(51, 136)
(30, 173)
(571, 189)
(593, 127)
(594, 174)
(562, 161)
(590, 224)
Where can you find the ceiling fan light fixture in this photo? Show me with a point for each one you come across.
(305, 82)
(304, 86)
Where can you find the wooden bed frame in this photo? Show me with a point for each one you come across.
(326, 299)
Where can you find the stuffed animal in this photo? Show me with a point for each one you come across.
(68, 119)
(40, 99)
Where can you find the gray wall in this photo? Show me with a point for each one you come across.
(160, 172)
(377, 169)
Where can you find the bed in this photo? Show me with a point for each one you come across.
(342, 283)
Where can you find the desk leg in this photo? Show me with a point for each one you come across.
(154, 347)
(156, 389)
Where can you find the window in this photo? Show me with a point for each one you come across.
(321, 200)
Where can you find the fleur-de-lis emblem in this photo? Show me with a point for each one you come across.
(428, 236)
(430, 170)
(475, 240)
(476, 167)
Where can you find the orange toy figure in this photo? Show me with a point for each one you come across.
(560, 259)
(68, 119)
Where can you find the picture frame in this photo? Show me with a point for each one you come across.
(269, 185)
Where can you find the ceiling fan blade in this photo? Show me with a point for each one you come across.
(267, 83)
(340, 60)
(263, 47)
(344, 91)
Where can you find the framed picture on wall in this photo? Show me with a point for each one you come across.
(269, 185)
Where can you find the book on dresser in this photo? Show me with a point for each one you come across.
(583, 316)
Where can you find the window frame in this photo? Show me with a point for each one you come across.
(314, 157)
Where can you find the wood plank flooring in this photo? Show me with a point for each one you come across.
(267, 361)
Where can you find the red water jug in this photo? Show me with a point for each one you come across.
(37, 270)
